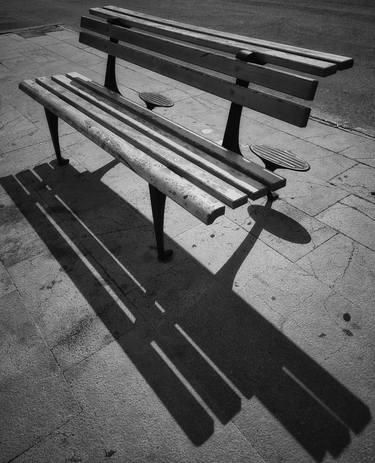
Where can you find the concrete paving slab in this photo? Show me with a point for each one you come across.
(3, 70)
(359, 180)
(27, 134)
(89, 440)
(77, 440)
(336, 141)
(351, 222)
(73, 40)
(6, 283)
(310, 194)
(25, 106)
(23, 63)
(20, 245)
(14, 124)
(212, 246)
(343, 363)
(119, 392)
(56, 305)
(72, 53)
(35, 398)
(18, 239)
(19, 159)
(43, 40)
(314, 128)
(363, 152)
(63, 34)
(283, 227)
(347, 267)
(361, 205)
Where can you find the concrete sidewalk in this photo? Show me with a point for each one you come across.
(255, 344)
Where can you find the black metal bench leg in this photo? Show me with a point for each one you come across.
(158, 206)
(271, 195)
(52, 121)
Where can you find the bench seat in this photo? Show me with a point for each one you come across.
(199, 175)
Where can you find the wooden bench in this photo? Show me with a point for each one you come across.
(201, 176)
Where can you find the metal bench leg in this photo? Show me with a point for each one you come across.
(52, 121)
(272, 195)
(110, 73)
(158, 206)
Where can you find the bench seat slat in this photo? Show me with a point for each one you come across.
(282, 81)
(343, 62)
(204, 147)
(197, 202)
(265, 103)
(264, 55)
(251, 188)
(226, 193)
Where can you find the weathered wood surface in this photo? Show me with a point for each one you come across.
(141, 137)
(282, 81)
(264, 55)
(206, 149)
(257, 100)
(343, 62)
(199, 203)
(232, 197)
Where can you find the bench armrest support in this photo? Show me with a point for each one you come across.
(110, 72)
(232, 129)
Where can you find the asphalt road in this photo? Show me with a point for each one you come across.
(344, 27)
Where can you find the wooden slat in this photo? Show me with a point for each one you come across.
(252, 188)
(292, 84)
(204, 147)
(206, 181)
(257, 100)
(263, 55)
(197, 202)
(343, 62)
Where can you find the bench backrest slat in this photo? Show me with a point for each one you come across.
(263, 55)
(343, 62)
(286, 82)
(257, 100)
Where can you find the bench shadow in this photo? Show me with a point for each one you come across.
(200, 346)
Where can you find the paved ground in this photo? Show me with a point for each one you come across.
(336, 26)
(256, 344)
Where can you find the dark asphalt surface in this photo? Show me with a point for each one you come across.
(344, 27)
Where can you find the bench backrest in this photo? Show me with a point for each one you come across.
(211, 60)
(322, 62)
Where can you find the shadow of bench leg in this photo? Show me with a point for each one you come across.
(158, 206)
(52, 121)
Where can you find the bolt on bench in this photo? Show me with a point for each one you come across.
(201, 176)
